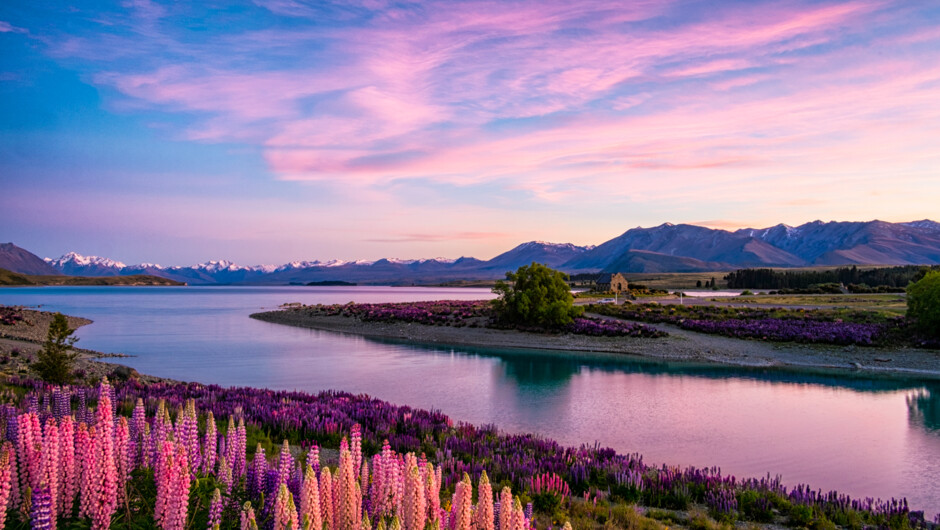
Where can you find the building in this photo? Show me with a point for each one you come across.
(615, 282)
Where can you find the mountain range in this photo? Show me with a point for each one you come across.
(664, 248)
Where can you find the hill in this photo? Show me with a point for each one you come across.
(16, 259)
(10, 278)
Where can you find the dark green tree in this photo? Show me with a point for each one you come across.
(923, 303)
(537, 296)
(55, 360)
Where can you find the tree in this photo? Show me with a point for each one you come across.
(538, 296)
(923, 303)
(55, 360)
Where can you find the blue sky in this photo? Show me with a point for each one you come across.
(278, 130)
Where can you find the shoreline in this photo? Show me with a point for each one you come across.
(680, 346)
(26, 337)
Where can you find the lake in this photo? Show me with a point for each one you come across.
(863, 436)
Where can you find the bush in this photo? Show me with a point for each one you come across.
(923, 303)
(54, 361)
(538, 296)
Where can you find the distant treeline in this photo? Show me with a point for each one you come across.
(774, 279)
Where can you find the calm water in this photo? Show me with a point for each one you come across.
(862, 436)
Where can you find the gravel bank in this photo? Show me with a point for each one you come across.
(681, 345)
(20, 342)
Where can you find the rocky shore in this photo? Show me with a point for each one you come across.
(681, 345)
(20, 342)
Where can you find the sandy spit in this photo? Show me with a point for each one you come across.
(681, 345)
(19, 344)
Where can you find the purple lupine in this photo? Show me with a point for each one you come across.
(41, 512)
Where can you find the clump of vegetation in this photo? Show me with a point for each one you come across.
(55, 360)
(536, 296)
(923, 303)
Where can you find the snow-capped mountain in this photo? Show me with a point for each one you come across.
(75, 264)
(662, 248)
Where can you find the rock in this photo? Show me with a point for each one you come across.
(123, 373)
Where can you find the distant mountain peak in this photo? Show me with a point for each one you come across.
(77, 259)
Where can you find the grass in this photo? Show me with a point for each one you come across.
(893, 304)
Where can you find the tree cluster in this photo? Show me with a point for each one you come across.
(535, 296)
(802, 279)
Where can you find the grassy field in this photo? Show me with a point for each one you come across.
(891, 303)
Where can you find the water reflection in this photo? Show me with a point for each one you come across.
(923, 407)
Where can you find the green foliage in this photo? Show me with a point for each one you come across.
(54, 361)
(923, 303)
(537, 296)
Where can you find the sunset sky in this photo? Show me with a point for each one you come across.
(278, 130)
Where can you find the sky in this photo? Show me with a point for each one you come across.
(279, 130)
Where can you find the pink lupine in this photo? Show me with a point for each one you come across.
(355, 447)
(187, 433)
(364, 474)
(49, 473)
(518, 520)
(483, 516)
(414, 509)
(376, 488)
(209, 444)
(137, 446)
(313, 458)
(247, 518)
(104, 481)
(463, 503)
(122, 457)
(29, 444)
(310, 515)
(7, 460)
(173, 483)
(348, 499)
(505, 509)
(326, 499)
(285, 515)
(433, 493)
(67, 465)
(85, 462)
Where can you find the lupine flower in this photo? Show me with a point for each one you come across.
(347, 501)
(326, 499)
(210, 440)
(42, 511)
(433, 493)
(259, 466)
(463, 501)
(104, 480)
(518, 521)
(483, 516)
(224, 475)
(505, 509)
(285, 464)
(310, 514)
(241, 440)
(122, 459)
(215, 510)
(247, 517)
(67, 466)
(285, 515)
(313, 458)
(49, 474)
(414, 507)
(7, 460)
(355, 447)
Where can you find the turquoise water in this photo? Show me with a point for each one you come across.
(862, 436)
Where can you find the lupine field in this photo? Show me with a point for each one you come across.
(114, 456)
(475, 313)
(813, 326)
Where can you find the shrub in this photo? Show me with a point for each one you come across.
(923, 303)
(538, 296)
(55, 361)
